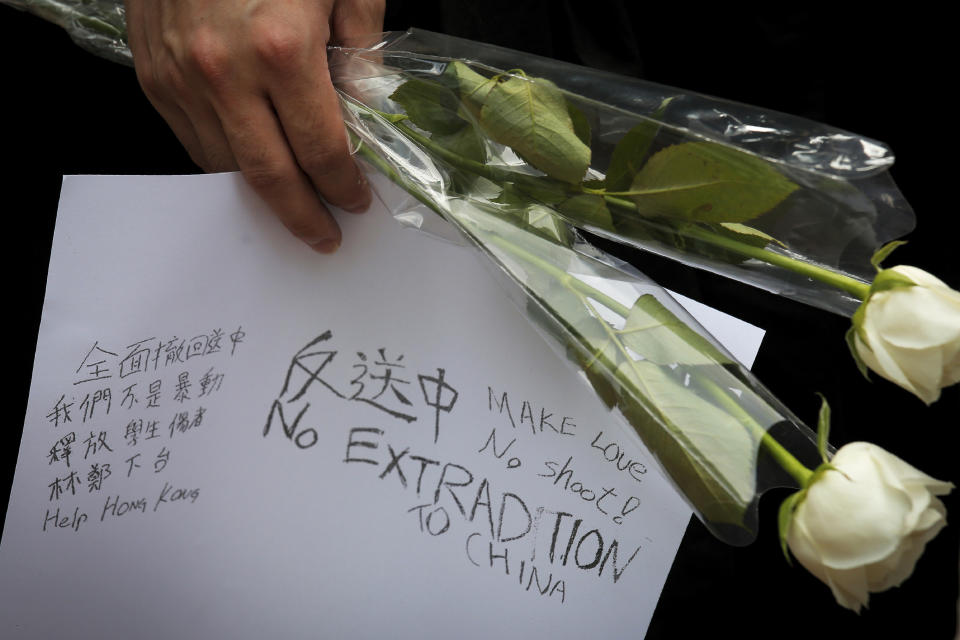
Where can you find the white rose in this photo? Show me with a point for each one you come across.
(863, 527)
(910, 335)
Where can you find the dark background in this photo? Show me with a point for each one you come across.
(67, 112)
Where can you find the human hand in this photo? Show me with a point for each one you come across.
(244, 85)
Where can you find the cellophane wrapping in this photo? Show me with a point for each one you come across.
(707, 420)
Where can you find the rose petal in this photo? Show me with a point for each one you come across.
(904, 471)
(863, 527)
(923, 368)
(902, 565)
(857, 519)
(849, 587)
(914, 334)
(804, 550)
(876, 357)
(895, 569)
(919, 276)
(915, 317)
(951, 368)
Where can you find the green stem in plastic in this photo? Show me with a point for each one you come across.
(828, 276)
(853, 286)
(384, 167)
(562, 276)
(784, 458)
(453, 158)
(466, 164)
(102, 27)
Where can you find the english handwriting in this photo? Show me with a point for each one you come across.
(612, 452)
(541, 421)
(564, 478)
(454, 495)
(512, 463)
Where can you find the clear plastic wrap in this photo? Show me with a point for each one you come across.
(99, 26)
(706, 419)
(789, 205)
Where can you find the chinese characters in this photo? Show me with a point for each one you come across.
(128, 410)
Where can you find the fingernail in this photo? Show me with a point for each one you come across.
(359, 207)
(328, 245)
(364, 203)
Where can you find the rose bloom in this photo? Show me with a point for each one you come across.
(913, 334)
(862, 528)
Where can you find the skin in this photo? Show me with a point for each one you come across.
(244, 85)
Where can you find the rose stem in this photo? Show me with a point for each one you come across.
(851, 285)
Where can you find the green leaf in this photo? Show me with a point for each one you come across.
(852, 345)
(430, 106)
(478, 187)
(785, 519)
(884, 251)
(546, 223)
(628, 156)
(748, 235)
(710, 455)
(512, 197)
(707, 452)
(581, 126)
(545, 191)
(471, 86)
(475, 100)
(465, 142)
(708, 182)
(631, 151)
(101, 26)
(461, 78)
(654, 228)
(538, 218)
(531, 117)
(655, 333)
(823, 427)
(685, 240)
(394, 118)
(587, 210)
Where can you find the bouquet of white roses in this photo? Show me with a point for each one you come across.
(706, 419)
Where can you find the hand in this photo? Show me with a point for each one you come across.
(244, 84)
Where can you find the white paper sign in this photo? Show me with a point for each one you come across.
(229, 436)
